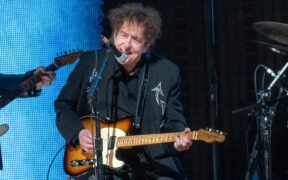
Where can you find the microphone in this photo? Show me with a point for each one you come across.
(120, 57)
(279, 76)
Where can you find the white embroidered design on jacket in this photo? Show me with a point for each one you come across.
(158, 93)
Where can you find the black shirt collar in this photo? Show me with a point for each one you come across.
(136, 72)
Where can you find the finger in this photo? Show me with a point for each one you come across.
(178, 141)
(187, 130)
(85, 147)
(43, 83)
(186, 140)
(178, 144)
(46, 79)
(183, 141)
(40, 69)
(52, 75)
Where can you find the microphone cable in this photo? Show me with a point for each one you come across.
(48, 172)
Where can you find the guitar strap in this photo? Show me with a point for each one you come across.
(142, 93)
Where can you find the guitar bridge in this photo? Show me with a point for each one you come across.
(84, 162)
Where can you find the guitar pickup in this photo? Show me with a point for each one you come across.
(84, 162)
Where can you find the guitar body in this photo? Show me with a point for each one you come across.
(109, 133)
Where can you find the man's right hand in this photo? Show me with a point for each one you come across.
(86, 141)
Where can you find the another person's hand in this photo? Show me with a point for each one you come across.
(86, 141)
(46, 77)
(183, 143)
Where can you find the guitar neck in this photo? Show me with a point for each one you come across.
(139, 140)
(54, 66)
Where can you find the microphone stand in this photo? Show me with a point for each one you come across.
(93, 102)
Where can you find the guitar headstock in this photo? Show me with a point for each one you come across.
(67, 58)
(209, 135)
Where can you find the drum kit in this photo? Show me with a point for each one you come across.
(264, 110)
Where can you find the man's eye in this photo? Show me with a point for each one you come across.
(139, 41)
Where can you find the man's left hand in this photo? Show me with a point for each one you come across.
(183, 143)
(46, 77)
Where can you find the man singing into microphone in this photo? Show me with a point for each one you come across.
(143, 86)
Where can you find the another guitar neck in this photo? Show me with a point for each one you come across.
(139, 140)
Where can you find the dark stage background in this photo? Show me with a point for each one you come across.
(185, 40)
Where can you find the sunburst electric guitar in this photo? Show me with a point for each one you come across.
(59, 61)
(77, 161)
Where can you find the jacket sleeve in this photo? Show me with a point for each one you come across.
(67, 118)
(174, 119)
(10, 82)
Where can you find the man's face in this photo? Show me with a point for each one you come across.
(130, 40)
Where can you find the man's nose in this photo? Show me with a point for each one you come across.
(128, 43)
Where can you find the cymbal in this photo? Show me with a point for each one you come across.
(283, 50)
(273, 30)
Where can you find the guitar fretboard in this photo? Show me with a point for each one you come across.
(139, 140)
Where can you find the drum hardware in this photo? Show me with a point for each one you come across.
(264, 108)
